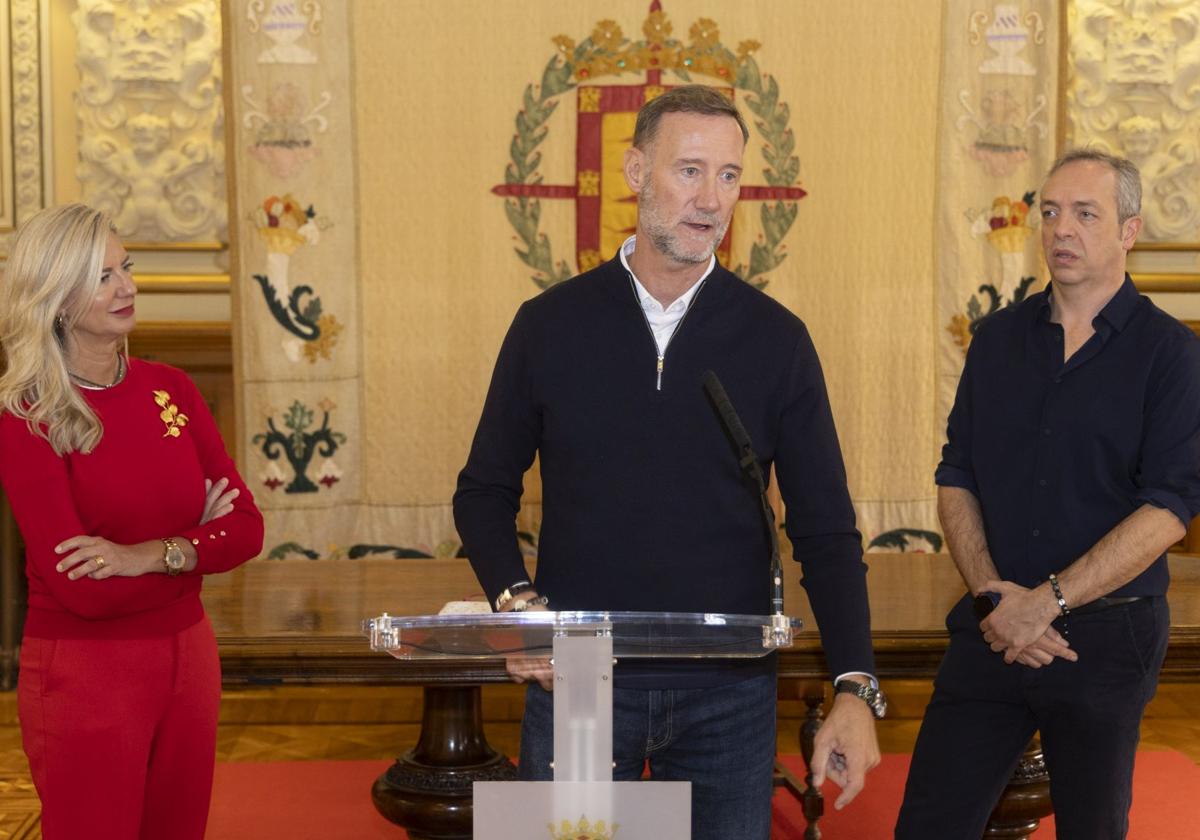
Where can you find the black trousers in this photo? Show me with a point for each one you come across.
(983, 713)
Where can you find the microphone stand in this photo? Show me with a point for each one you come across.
(781, 627)
(753, 472)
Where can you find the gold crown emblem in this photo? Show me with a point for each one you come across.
(583, 830)
(607, 51)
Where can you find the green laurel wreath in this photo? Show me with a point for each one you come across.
(524, 214)
(539, 103)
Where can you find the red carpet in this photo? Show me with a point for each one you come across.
(331, 800)
(1166, 802)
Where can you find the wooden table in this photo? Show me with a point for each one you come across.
(298, 621)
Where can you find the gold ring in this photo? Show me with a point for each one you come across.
(99, 562)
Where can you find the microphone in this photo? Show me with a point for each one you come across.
(734, 430)
(748, 461)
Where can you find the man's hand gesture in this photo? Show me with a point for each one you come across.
(1019, 626)
(845, 747)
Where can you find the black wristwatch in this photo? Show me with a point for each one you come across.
(875, 699)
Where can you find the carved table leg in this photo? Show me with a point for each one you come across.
(813, 803)
(428, 789)
(1026, 799)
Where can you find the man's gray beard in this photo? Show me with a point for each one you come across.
(663, 239)
(665, 243)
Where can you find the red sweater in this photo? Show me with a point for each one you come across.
(142, 482)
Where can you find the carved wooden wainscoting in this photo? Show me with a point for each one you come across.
(203, 349)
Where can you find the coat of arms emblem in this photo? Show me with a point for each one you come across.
(605, 211)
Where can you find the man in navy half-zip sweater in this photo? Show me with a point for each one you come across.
(644, 504)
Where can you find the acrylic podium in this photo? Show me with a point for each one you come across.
(583, 647)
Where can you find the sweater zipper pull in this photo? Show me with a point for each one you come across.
(660, 370)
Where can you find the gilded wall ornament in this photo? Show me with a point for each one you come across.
(149, 116)
(1134, 90)
(27, 107)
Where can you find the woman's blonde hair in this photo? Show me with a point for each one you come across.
(53, 272)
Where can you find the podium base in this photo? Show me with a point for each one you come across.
(641, 810)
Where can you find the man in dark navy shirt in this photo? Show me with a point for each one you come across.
(1072, 464)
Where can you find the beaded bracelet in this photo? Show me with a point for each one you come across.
(1062, 602)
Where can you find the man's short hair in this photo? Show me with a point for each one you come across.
(686, 99)
(1129, 180)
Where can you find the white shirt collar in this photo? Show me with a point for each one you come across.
(647, 300)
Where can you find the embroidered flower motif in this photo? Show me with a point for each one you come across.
(704, 32)
(607, 35)
(747, 48)
(565, 45)
(657, 28)
(324, 343)
(960, 330)
(170, 414)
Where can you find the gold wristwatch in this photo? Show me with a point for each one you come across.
(173, 557)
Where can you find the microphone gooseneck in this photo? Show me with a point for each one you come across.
(752, 470)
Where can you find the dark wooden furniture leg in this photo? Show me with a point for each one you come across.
(812, 803)
(428, 790)
(1025, 801)
(811, 800)
(12, 596)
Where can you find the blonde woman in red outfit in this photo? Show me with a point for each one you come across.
(125, 497)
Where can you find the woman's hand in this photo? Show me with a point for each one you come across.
(217, 500)
(98, 558)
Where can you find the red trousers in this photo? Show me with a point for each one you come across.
(121, 734)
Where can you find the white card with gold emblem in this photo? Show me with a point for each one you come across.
(583, 810)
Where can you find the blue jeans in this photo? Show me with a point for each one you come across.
(721, 739)
(984, 712)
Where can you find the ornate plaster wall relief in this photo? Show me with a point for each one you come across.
(27, 107)
(1134, 90)
(150, 118)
